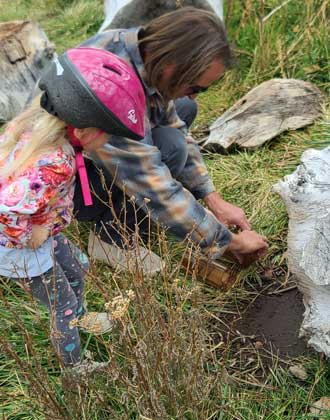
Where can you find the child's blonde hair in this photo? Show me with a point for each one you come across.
(48, 133)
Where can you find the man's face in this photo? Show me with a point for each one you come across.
(213, 73)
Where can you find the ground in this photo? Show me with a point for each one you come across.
(274, 321)
(177, 352)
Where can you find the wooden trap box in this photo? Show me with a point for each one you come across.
(219, 274)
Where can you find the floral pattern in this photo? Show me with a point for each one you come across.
(40, 194)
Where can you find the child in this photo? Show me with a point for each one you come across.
(88, 94)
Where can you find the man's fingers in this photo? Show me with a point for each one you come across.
(262, 252)
(265, 240)
(239, 257)
(243, 223)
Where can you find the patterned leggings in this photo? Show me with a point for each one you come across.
(61, 290)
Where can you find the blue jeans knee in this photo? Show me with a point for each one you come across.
(173, 148)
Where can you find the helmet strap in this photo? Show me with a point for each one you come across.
(80, 164)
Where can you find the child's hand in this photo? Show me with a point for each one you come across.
(39, 235)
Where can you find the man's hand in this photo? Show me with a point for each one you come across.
(226, 213)
(248, 242)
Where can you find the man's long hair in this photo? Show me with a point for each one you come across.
(189, 38)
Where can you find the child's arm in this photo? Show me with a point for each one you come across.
(39, 234)
(54, 212)
(38, 202)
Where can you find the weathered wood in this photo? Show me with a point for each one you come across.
(266, 111)
(111, 8)
(131, 13)
(25, 51)
(306, 193)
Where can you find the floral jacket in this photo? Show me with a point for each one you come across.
(41, 194)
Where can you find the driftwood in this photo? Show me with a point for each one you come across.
(266, 111)
(131, 13)
(24, 53)
(306, 194)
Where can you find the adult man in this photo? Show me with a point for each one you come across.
(176, 56)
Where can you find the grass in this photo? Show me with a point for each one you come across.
(167, 360)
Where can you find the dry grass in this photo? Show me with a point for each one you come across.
(169, 358)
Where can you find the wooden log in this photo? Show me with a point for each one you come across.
(111, 8)
(25, 52)
(306, 194)
(132, 13)
(266, 111)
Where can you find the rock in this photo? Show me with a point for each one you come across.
(258, 345)
(265, 112)
(299, 372)
(321, 407)
(306, 193)
(267, 275)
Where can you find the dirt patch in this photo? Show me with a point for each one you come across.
(273, 321)
(258, 330)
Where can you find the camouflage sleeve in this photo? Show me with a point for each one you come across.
(195, 176)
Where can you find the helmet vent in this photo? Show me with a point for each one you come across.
(112, 69)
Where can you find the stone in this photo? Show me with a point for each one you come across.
(299, 372)
(321, 408)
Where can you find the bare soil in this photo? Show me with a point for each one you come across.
(260, 332)
(272, 322)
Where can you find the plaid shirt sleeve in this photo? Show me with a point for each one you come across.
(195, 176)
(138, 170)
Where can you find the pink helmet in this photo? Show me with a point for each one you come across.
(90, 87)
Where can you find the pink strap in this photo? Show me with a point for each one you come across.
(80, 163)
